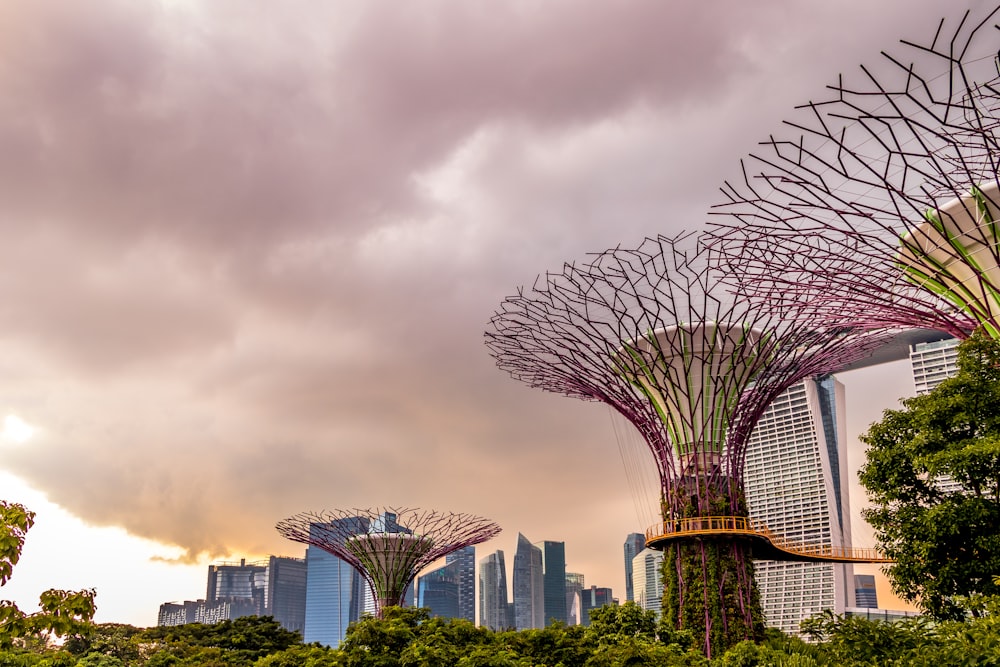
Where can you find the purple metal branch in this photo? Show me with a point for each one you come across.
(653, 333)
(878, 211)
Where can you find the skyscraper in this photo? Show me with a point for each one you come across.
(554, 580)
(438, 591)
(285, 595)
(574, 584)
(647, 579)
(933, 363)
(864, 591)
(494, 611)
(796, 483)
(336, 593)
(237, 581)
(529, 586)
(593, 598)
(465, 558)
(634, 543)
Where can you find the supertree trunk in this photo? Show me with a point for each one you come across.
(709, 584)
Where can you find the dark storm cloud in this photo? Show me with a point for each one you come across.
(250, 250)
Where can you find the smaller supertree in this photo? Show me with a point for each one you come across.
(388, 546)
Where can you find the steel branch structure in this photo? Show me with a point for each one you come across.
(388, 546)
(881, 206)
(653, 333)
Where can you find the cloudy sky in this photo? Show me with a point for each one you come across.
(249, 252)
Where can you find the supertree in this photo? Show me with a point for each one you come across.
(388, 546)
(882, 202)
(652, 333)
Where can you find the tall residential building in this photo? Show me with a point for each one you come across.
(465, 558)
(275, 587)
(796, 483)
(554, 580)
(494, 611)
(574, 584)
(437, 590)
(647, 579)
(336, 593)
(933, 363)
(593, 598)
(634, 543)
(864, 591)
(529, 586)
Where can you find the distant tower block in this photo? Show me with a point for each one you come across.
(877, 207)
(653, 333)
(956, 255)
(388, 547)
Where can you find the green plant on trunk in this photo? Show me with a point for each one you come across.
(709, 584)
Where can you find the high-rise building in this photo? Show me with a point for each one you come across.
(438, 591)
(574, 584)
(864, 591)
(647, 579)
(529, 586)
(285, 595)
(494, 611)
(593, 598)
(465, 558)
(275, 587)
(796, 483)
(634, 543)
(933, 363)
(554, 580)
(237, 581)
(336, 593)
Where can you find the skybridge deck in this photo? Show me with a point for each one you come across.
(765, 545)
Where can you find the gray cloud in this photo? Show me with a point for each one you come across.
(250, 251)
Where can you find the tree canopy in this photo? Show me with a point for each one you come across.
(61, 612)
(933, 477)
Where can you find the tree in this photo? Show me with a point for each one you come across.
(61, 612)
(942, 536)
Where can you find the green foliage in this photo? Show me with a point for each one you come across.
(61, 612)
(302, 656)
(945, 543)
(619, 636)
(236, 642)
(709, 585)
(15, 521)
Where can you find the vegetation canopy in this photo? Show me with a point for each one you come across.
(933, 477)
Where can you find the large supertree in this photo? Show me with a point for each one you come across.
(652, 333)
(388, 546)
(881, 203)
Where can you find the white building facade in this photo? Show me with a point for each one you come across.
(796, 482)
(647, 580)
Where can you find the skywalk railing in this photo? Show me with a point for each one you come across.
(741, 525)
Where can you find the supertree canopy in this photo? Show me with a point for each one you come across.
(653, 333)
(388, 546)
(881, 202)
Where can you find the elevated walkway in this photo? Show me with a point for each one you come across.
(764, 544)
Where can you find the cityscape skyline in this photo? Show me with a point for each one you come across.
(209, 254)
